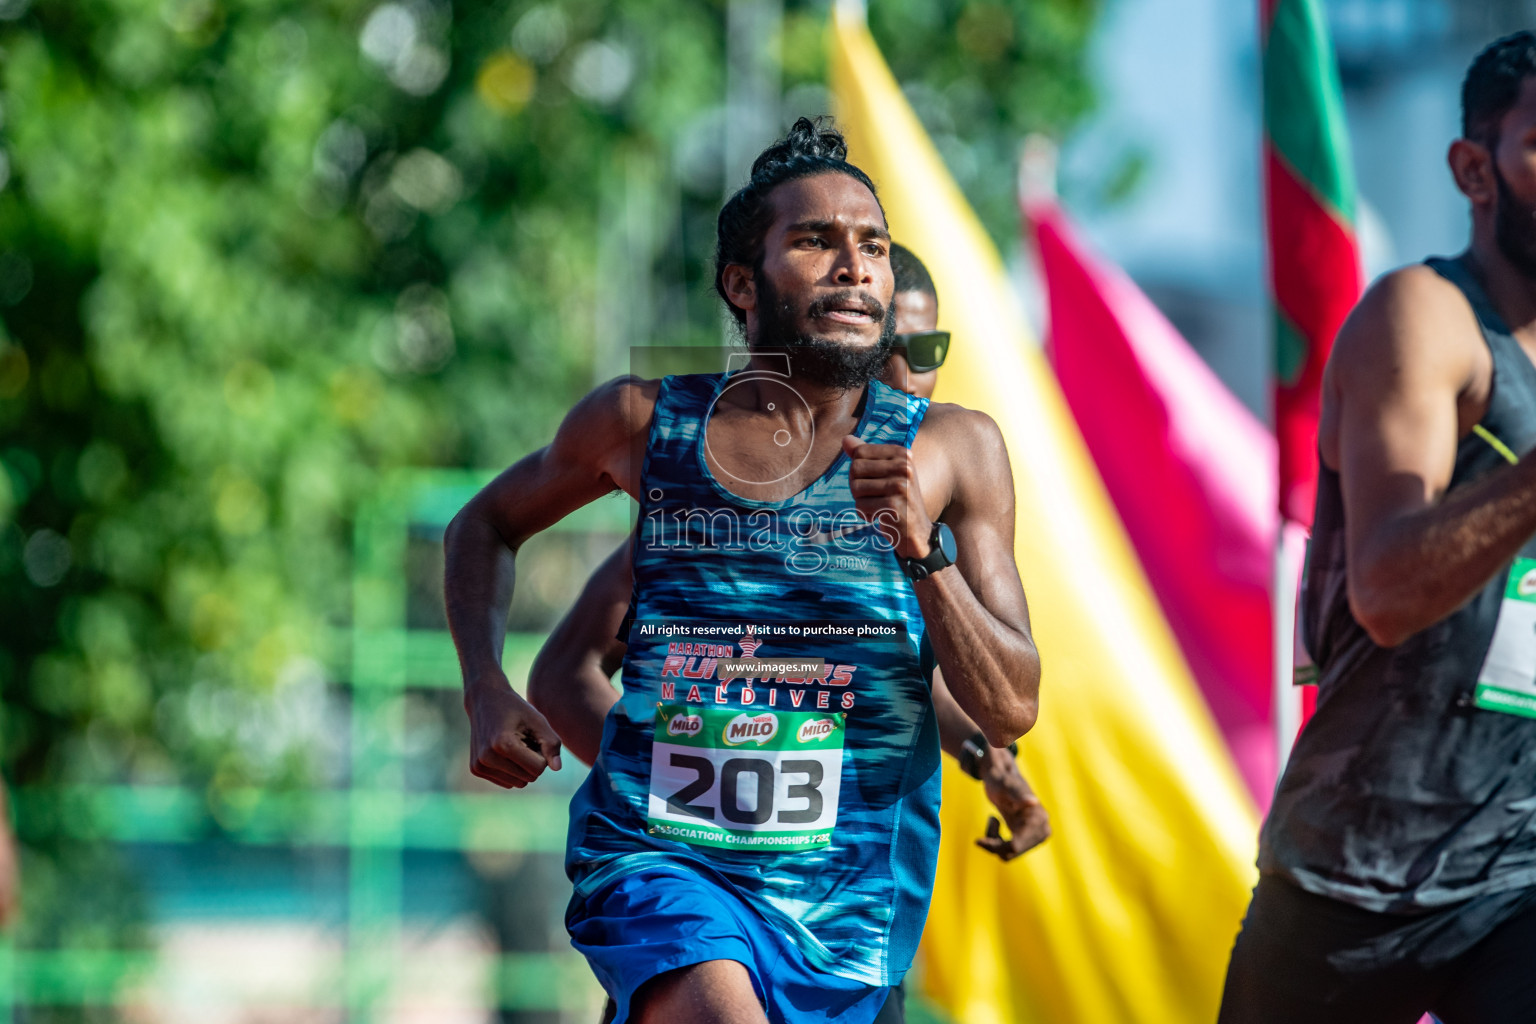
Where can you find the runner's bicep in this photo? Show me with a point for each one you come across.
(1398, 428)
(571, 670)
(984, 556)
(591, 454)
(1400, 367)
(982, 518)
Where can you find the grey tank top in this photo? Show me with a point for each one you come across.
(1400, 795)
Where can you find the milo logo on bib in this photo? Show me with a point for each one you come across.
(1526, 587)
(815, 729)
(733, 780)
(757, 729)
(685, 725)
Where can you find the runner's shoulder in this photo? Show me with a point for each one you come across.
(602, 432)
(633, 400)
(619, 409)
(967, 437)
(950, 422)
(1411, 315)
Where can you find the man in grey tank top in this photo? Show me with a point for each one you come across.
(1398, 863)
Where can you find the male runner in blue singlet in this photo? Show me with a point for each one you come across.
(757, 838)
(569, 680)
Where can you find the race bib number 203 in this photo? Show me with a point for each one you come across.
(743, 780)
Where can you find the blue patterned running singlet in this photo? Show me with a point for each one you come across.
(811, 794)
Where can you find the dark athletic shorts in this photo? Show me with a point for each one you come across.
(1306, 958)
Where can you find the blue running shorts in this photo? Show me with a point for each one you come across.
(662, 918)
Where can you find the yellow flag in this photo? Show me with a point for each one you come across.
(1128, 912)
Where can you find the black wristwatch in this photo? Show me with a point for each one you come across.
(941, 555)
(974, 749)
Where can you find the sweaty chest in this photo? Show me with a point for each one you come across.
(764, 456)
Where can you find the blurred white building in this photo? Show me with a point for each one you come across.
(1179, 93)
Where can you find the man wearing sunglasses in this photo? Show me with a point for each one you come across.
(570, 679)
(920, 349)
(914, 368)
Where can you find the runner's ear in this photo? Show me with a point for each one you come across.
(1472, 167)
(740, 286)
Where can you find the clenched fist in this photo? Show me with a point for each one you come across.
(510, 743)
(1028, 823)
(883, 478)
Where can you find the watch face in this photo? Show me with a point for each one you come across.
(947, 543)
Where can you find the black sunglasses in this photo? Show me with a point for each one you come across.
(924, 350)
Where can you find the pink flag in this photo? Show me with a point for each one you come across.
(1190, 470)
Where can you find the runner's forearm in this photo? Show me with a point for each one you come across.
(478, 576)
(569, 682)
(575, 696)
(1419, 568)
(992, 670)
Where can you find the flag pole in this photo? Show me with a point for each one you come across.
(1314, 279)
(1289, 545)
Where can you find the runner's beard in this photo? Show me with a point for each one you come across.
(820, 360)
(1515, 227)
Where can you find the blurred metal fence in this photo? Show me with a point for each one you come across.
(370, 823)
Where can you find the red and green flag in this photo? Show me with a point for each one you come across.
(1314, 257)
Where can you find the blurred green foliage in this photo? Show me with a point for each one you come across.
(254, 254)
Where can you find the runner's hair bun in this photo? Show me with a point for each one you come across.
(807, 137)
